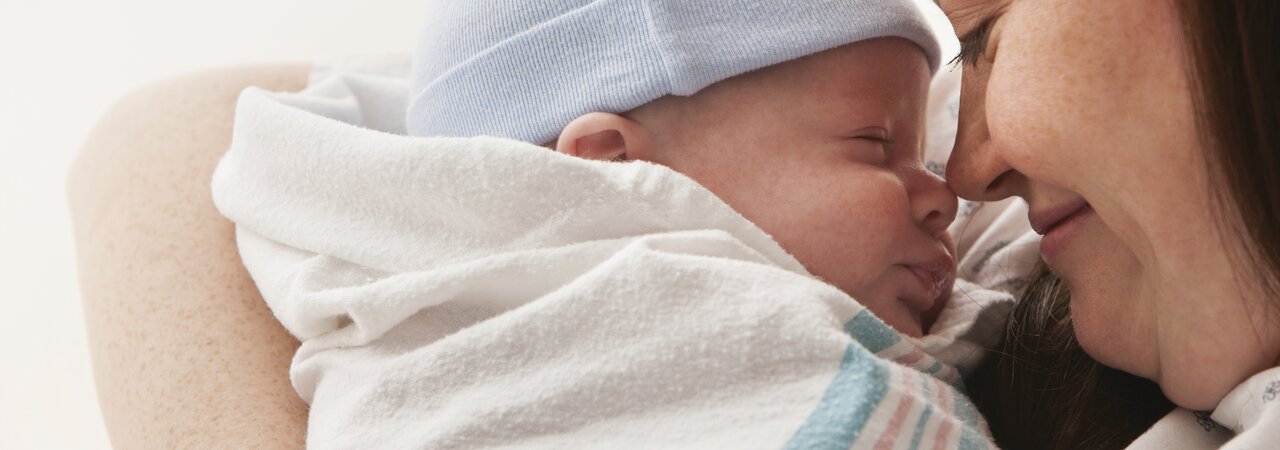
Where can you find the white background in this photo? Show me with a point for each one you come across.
(62, 64)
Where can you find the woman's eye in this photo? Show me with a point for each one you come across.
(974, 44)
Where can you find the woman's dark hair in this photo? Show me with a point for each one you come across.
(1235, 54)
(1039, 389)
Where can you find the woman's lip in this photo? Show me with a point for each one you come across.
(1044, 221)
(1061, 234)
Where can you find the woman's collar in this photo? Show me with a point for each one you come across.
(1243, 406)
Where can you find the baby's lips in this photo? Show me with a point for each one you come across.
(926, 297)
(937, 276)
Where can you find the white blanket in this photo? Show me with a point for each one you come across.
(465, 293)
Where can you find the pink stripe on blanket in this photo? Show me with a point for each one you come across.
(940, 441)
(890, 434)
(949, 374)
(910, 358)
(945, 405)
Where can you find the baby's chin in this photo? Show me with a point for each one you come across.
(898, 313)
(913, 324)
(905, 321)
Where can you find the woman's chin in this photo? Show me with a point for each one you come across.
(1109, 331)
(1107, 310)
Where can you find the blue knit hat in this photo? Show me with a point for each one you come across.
(523, 69)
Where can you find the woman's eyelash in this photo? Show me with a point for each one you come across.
(973, 45)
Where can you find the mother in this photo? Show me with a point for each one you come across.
(1145, 136)
(1166, 176)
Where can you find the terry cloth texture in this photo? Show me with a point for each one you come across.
(482, 293)
(524, 69)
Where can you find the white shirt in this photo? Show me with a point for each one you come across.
(1247, 418)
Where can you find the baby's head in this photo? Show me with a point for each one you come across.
(821, 149)
(824, 154)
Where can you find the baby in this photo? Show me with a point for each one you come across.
(805, 118)
(677, 268)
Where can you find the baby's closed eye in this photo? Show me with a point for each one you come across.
(870, 145)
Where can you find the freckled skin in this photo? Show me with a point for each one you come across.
(778, 145)
(1090, 99)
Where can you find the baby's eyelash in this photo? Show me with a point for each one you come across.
(885, 143)
(974, 44)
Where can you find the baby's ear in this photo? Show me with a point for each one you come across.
(605, 137)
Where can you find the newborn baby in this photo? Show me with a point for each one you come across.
(697, 225)
(822, 150)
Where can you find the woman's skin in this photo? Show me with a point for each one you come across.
(1088, 104)
(185, 352)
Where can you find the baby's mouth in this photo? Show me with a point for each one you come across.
(935, 279)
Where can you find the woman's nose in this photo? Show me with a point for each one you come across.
(977, 171)
(933, 204)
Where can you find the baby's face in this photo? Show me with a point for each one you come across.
(825, 154)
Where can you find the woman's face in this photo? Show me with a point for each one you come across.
(1084, 109)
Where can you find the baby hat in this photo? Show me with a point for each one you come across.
(524, 69)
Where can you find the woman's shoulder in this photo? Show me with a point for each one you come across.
(126, 139)
(140, 199)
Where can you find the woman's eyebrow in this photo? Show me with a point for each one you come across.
(969, 16)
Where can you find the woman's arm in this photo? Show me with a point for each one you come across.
(185, 352)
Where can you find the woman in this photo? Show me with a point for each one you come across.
(1143, 135)
(1066, 101)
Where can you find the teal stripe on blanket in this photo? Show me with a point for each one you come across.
(848, 403)
(969, 440)
(966, 411)
(873, 333)
(860, 385)
(926, 393)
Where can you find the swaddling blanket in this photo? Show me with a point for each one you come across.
(485, 293)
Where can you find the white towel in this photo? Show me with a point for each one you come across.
(464, 293)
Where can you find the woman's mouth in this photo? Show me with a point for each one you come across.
(1059, 226)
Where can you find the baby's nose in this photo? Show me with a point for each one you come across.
(933, 204)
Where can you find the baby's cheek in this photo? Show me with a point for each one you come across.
(862, 230)
(880, 206)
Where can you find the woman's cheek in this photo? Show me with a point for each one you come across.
(1027, 112)
(1055, 96)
